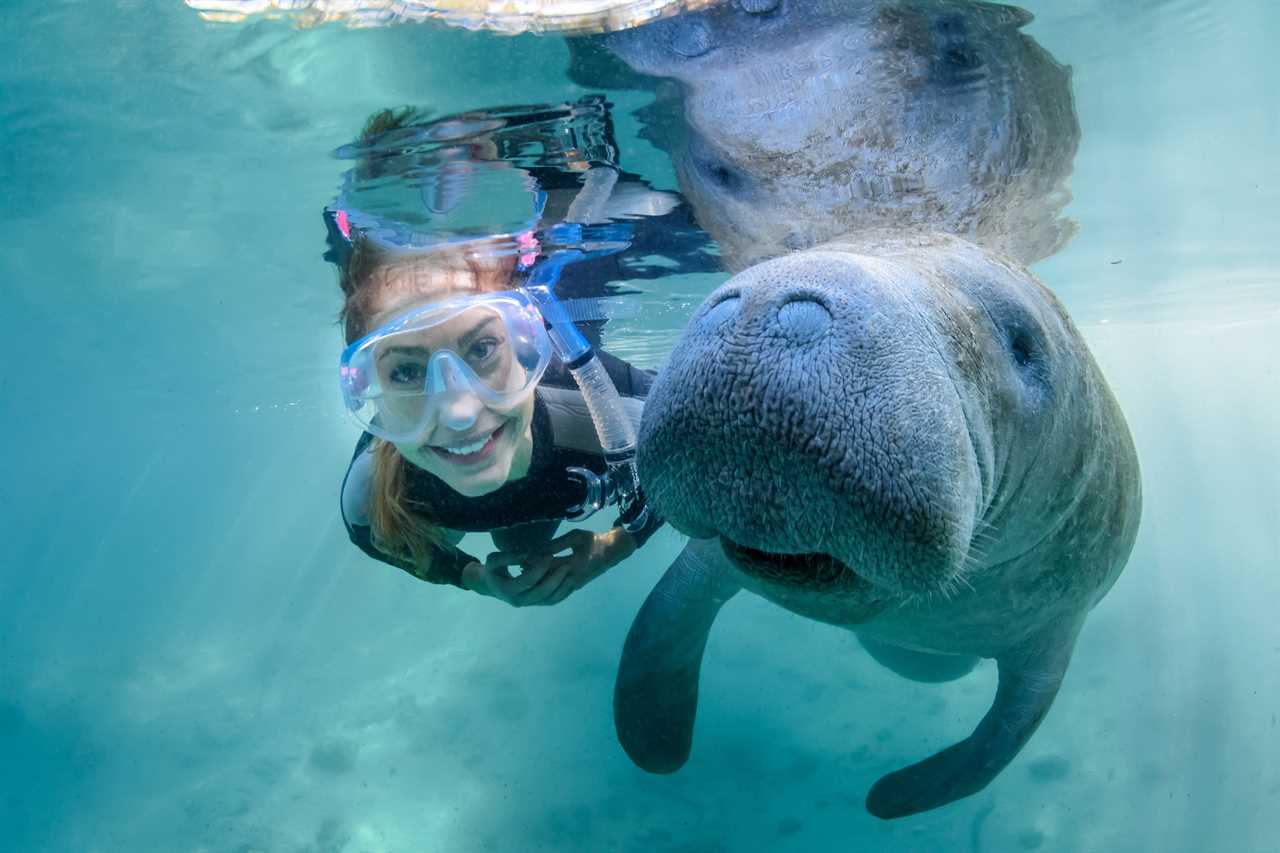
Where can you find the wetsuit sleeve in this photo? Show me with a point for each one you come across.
(447, 562)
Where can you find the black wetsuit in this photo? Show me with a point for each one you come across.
(523, 512)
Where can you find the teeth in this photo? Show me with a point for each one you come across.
(464, 449)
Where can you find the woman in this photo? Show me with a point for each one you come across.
(476, 424)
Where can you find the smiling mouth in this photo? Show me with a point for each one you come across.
(813, 571)
(469, 453)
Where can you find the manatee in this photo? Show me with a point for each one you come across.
(798, 121)
(904, 435)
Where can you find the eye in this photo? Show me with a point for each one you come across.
(1027, 351)
(958, 61)
(1020, 338)
(408, 374)
(715, 168)
(482, 350)
(1022, 348)
(725, 177)
(950, 26)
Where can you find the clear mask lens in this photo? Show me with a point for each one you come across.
(398, 380)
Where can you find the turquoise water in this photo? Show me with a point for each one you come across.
(193, 658)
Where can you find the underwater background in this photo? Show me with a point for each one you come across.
(194, 658)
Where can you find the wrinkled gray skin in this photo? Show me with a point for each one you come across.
(904, 436)
(806, 119)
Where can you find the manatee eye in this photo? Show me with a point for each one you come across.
(963, 58)
(952, 26)
(715, 169)
(724, 176)
(1021, 348)
(1019, 333)
(957, 60)
(1028, 354)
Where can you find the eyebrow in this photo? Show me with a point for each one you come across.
(464, 339)
(470, 335)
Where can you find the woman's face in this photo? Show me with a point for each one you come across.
(469, 443)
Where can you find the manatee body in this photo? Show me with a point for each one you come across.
(902, 435)
(802, 120)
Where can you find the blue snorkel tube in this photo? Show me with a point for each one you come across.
(620, 483)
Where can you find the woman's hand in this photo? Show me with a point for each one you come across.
(546, 578)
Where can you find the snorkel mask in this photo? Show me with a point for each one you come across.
(408, 373)
(418, 367)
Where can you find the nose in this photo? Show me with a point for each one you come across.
(690, 37)
(459, 410)
(803, 319)
(798, 317)
(447, 382)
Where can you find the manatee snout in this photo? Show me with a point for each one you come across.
(807, 412)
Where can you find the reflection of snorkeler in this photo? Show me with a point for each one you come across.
(445, 166)
(471, 423)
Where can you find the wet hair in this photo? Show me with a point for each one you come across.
(371, 271)
(401, 524)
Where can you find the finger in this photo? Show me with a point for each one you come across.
(577, 576)
(563, 591)
(533, 572)
(576, 563)
(572, 540)
(504, 558)
(538, 563)
(499, 564)
(538, 593)
(567, 587)
(544, 549)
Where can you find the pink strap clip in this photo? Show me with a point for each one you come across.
(528, 246)
(344, 223)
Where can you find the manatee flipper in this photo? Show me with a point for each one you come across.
(919, 666)
(1030, 675)
(656, 694)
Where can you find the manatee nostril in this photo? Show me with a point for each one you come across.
(795, 241)
(803, 320)
(690, 38)
(721, 313)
